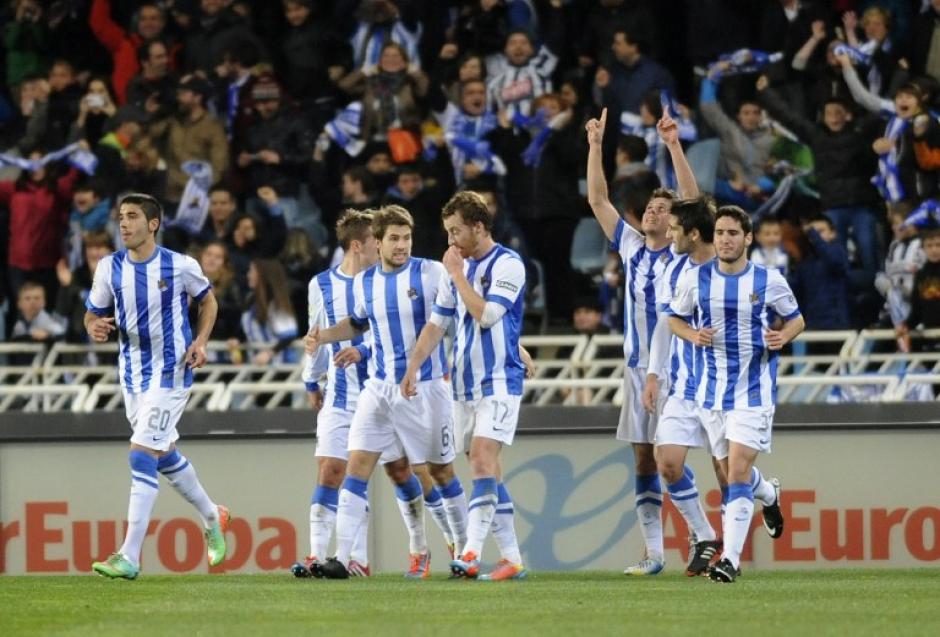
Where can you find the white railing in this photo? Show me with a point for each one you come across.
(570, 370)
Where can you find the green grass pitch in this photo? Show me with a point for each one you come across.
(806, 604)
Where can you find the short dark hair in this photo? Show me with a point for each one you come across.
(94, 186)
(243, 52)
(353, 225)
(392, 215)
(635, 38)
(930, 233)
(360, 174)
(695, 214)
(143, 51)
(634, 146)
(738, 214)
(471, 207)
(151, 207)
(221, 188)
(97, 239)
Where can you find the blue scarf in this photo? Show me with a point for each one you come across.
(345, 129)
(888, 179)
(925, 216)
(744, 61)
(465, 135)
(83, 160)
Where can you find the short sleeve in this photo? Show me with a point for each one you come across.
(507, 281)
(100, 299)
(627, 241)
(684, 299)
(359, 300)
(779, 297)
(445, 303)
(194, 281)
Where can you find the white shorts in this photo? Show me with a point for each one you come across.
(751, 427)
(680, 423)
(154, 415)
(636, 424)
(422, 427)
(333, 436)
(493, 417)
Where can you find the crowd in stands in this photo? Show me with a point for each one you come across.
(257, 123)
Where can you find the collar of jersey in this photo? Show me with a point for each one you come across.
(485, 256)
(127, 257)
(746, 269)
(381, 270)
(339, 273)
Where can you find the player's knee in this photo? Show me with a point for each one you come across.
(441, 473)
(332, 474)
(399, 471)
(670, 470)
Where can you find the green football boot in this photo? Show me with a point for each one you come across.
(215, 537)
(116, 566)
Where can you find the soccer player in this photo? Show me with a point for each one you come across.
(738, 304)
(645, 257)
(393, 299)
(483, 294)
(142, 292)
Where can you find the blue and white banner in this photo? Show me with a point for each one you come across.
(76, 156)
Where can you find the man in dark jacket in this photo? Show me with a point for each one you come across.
(845, 163)
(820, 281)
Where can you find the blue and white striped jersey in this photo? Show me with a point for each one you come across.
(150, 303)
(643, 268)
(515, 87)
(739, 371)
(397, 305)
(684, 357)
(486, 361)
(279, 326)
(368, 40)
(330, 300)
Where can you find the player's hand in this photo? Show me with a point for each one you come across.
(100, 328)
(595, 129)
(703, 337)
(453, 262)
(347, 356)
(312, 341)
(774, 339)
(409, 385)
(196, 355)
(315, 400)
(668, 130)
(528, 362)
(651, 393)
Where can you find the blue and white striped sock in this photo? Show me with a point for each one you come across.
(411, 504)
(764, 492)
(182, 476)
(482, 509)
(684, 495)
(649, 510)
(504, 528)
(738, 520)
(434, 504)
(144, 490)
(455, 506)
(323, 506)
(351, 514)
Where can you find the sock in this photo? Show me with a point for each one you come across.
(649, 509)
(350, 515)
(323, 507)
(482, 511)
(738, 520)
(411, 505)
(434, 505)
(182, 476)
(684, 495)
(504, 531)
(724, 504)
(764, 492)
(455, 506)
(360, 547)
(144, 490)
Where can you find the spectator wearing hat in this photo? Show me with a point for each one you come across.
(191, 134)
(277, 151)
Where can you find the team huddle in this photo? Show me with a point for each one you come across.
(703, 330)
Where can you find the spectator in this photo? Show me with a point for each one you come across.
(643, 124)
(211, 32)
(588, 316)
(75, 283)
(191, 134)
(91, 211)
(214, 260)
(149, 25)
(219, 224)
(452, 71)
(905, 257)
(607, 17)
(630, 77)
(235, 74)
(467, 128)
(301, 260)
(259, 236)
(633, 181)
(380, 22)
(269, 318)
(522, 73)
(424, 198)
(820, 280)
(358, 190)
(145, 170)
(114, 149)
(38, 202)
(768, 249)
(845, 163)
(26, 40)
(52, 117)
(94, 110)
(153, 89)
(925, 44)
(482, 27)
(34, 324)
(878, 46)
(925, 295)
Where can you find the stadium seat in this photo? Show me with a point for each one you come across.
(703, 158)
(589, 247)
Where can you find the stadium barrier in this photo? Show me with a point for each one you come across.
(64, 485)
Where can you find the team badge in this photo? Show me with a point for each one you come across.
(162, 285)
(755, 298)
(485, 281)
(664, 257)
(412, 294)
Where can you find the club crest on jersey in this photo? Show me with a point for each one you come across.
(755, 298)
(664, 257)
(162, 285)
(412, 294)
(485, 281)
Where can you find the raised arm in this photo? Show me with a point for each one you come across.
(598, 197)
(865, 98)
(669, 133)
